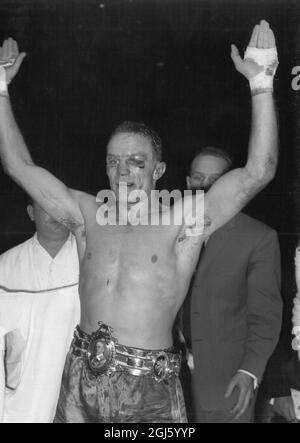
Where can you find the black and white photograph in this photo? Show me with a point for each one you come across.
(150, 214)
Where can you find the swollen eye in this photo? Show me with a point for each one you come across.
(139, 164)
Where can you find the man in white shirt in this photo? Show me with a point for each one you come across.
(39, 306)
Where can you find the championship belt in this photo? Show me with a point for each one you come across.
(105, 356)
(164, 368)
(101, 352)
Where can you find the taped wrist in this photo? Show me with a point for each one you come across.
(268, 60)
(3, 82)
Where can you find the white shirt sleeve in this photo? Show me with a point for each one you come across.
(255, 379)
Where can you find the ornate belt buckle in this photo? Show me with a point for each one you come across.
(161, 367)
(176, 364)
(101, 352)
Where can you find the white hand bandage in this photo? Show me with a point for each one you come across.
(7, 64)
(268, 59)
(3, 82)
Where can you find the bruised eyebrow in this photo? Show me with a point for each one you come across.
(141, 156)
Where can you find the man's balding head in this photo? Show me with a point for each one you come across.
(208, 165)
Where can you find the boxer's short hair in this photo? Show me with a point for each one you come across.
(143, 130)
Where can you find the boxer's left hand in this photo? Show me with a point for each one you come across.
(11, 58)
(245, 384)
(262, 38)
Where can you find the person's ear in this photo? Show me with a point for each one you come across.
(30, 212)
(159, 170)
(188, 182)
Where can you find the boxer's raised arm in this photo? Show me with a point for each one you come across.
(234, 190)
(51, 194)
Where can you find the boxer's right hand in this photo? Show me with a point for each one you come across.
(11, 58)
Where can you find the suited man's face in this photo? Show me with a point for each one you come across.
(205, 171)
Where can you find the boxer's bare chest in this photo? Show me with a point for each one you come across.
(112, 253)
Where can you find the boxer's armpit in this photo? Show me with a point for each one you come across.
(73, 225)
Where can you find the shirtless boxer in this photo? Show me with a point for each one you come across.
(135, 278)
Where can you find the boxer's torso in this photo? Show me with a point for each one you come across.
(133, 278)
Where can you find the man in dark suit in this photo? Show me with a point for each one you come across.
(235, 307)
